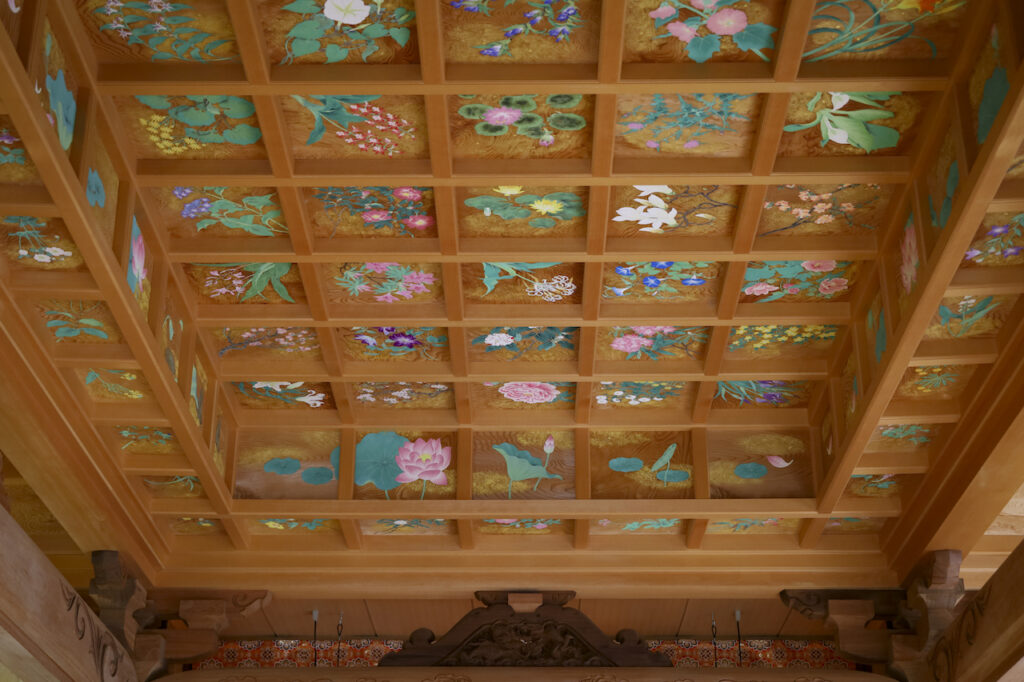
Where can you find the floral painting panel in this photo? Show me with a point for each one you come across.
(988, 85)
(970, 317)
(16, 165)
(395, 344)
(700, 31)
(138, 268)
(942, 182)
(498, 283)
(750, 464)
(407, 527)
(59, 88)
(656, 281)
(793, 281)
(934, 382)
(192, 126)
(115, 385)
(999, 242)
(847, 30)
(761, 393)
(805, 342)
(521, 32)
(102, 184)
(197, 212)
(640, 464)
(769, 525)
(524, 395)
(652, 343)
(283, 395)
(691, 124)
(356, 126)
(249, 283)
(267, 343)
(160, 31)
(340, 32)
(518, 211)
(678, 210)
(521, 126)
(385, 283)
(523, 465)
(525, 344)
(419, 395)
(847, 209)
(901, 437)
(411, 465)
(876, 485)
(852, 525)
(637, 526)
(338, 212)
(195, 525)
(174, 487)
(523, 527)
(851, 123)
(146, 440)
(675, 395)
(293, 526)
(71, 321)
(39, 244)
(292, 464)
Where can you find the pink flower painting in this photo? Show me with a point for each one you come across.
(533, 392)
(819, 265)
(833, 285)
(423, 460)
(727, 22)
(684, 32)
(760, 289)
(630, 343)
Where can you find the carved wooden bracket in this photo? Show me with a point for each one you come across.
(898, 627)
(118, 596)
(550, 635)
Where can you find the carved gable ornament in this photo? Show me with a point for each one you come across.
(552, 635)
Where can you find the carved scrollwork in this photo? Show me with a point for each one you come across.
(511, 642)
(102, 645)
(961, 635)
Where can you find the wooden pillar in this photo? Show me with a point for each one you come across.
(47, 632)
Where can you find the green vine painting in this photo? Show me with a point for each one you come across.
(963, 317)
(293, 524)
(309, 475)
(346, 30)
(11, 150)
(915, 434)
(1001, 243)
(168, 30)
(114, 384)
(768, 393)
(703, 25)
(542, 212)
(868, 28)
(78, 320)
(387, 282)
(994, 90)
(810, 280)
(841, 121)
(189, 123)
(518, 115)
(214, 209)
(661, 468)
(412, 526)
(245, 281)
(145, 437)
(661, 280)
(521, 465)
(679, 123)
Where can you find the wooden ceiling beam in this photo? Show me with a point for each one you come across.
(978, 189)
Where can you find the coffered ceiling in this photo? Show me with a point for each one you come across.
(308, 296)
